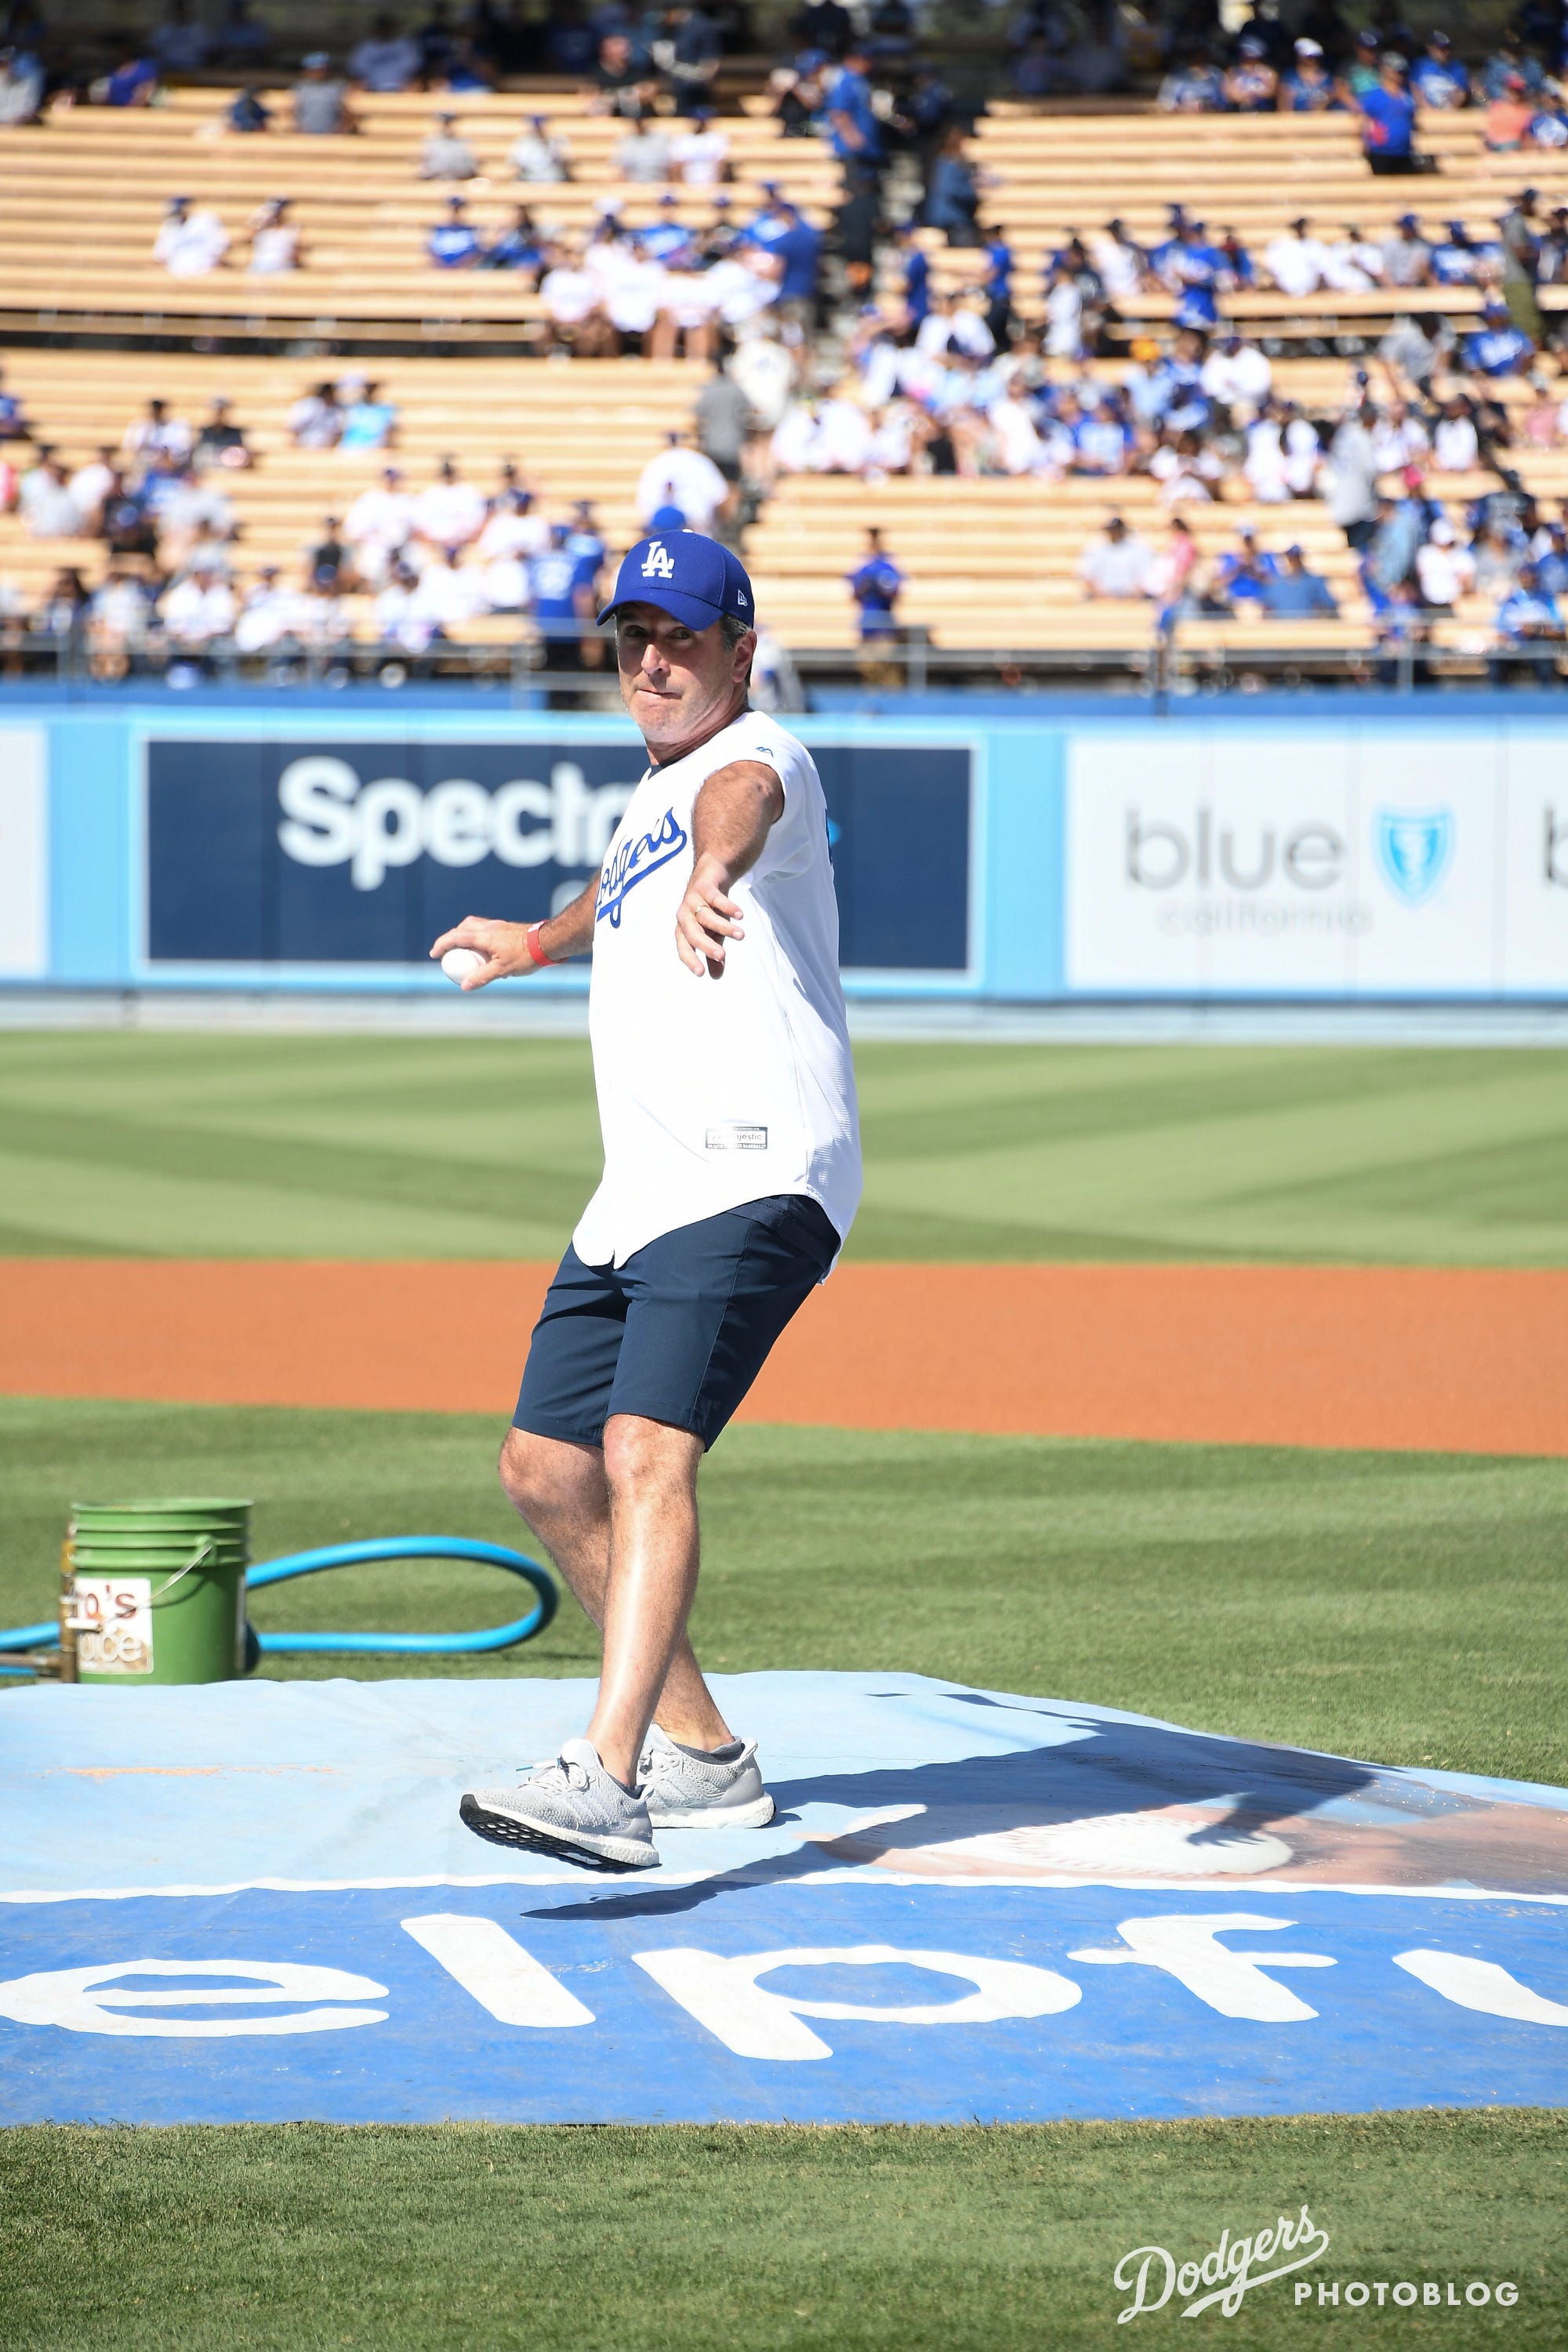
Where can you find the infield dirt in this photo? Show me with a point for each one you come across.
(1428, 1358)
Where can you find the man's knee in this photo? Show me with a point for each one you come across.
(642, 1455)
(541, 1476)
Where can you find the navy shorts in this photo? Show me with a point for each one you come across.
(681, 1331)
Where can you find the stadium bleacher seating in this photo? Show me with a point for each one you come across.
(97, 182)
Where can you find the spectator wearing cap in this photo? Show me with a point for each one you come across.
(1387, 114)
(1236, 376)
(1251, 86)
(446, 155)
(824, 25)
(454, 242)
(248, 114)
(1194, 271)
(133, 82)
(386, 60)
(1361, 73)
(561, 593)
(1308, 87)
(275, 246)
(1194, 86)
(448, 511)
(1406, 255)
(192, 241)
(539, 155)
(1509, 116)
(1454, 257)
(321, 109)
(1438, 78)
(1498, 348)
(1118, 564)
(1295, 593)
(21, 87)
(315, 420)
(1444, 570)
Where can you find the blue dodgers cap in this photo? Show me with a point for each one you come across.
(689, 576)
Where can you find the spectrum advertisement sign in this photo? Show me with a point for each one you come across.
(1326, 863)
(343, 853)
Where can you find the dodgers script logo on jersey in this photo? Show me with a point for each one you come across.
(634, 862)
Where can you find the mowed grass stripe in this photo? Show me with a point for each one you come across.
(436, 1147)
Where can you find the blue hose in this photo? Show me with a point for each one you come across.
(308, 1563)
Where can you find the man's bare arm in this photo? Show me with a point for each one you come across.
(505, 945)
(729, 821)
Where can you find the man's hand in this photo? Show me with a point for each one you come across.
(706, 918)
(504, 946)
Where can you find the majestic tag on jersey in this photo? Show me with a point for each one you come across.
(737, 1137)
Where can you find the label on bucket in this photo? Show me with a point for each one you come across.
(112, 1618)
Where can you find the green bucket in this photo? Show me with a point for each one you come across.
(158, 1591)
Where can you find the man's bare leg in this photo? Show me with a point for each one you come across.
(566, 1496)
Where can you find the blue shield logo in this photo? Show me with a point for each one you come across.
(1415, 849)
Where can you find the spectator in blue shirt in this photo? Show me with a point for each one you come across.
(1528, 617)
(520, 247)
(665, 239)
(1191, 87)
(1294, 594)
(1498, 349)
(454, 242)
(998, 286)
(1190, 268)
(1252, 86)
(1308, 87)
(875, 586)
(953, 198)
(1510, 57)
(917, 274)
(560, 595)
(247, 112)
(854, 131)
(1243, 576)
(1454, 257)
(782, 229)
(369, 422)
(133, 82)
(1438, 80)
(1387, 114)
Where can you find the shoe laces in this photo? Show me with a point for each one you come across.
(560, 1772)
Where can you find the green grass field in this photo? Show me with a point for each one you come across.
(1408, 1608)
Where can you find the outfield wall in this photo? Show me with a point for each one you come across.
(1322, 851)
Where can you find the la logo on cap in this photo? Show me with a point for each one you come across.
(657, 563)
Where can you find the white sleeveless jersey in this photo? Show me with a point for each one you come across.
(715, 1092)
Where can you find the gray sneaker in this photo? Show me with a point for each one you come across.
(688, 1790)
(571, 1808)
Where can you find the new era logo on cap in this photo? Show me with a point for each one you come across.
(686, 574)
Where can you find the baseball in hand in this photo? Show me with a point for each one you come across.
(461, 963)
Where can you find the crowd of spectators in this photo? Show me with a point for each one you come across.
(1387, 77)
(407, 564)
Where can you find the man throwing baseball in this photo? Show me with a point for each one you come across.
(731, 1174)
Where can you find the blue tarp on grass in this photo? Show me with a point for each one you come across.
(254, 1902)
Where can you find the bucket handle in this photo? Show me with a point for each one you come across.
(158, 1599)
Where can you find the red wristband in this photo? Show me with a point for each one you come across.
(531, 940)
